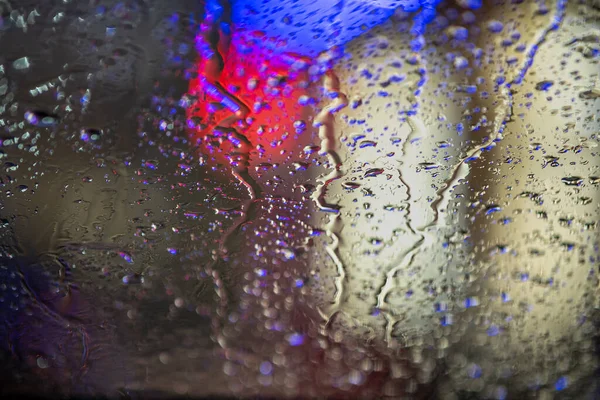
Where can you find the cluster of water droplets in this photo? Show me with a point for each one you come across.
(269, 223)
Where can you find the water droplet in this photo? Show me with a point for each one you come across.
(295, 339)
(41, 119)
(495, 26)
(470, 4)
(493, 208)
(544, 85)
(572, 180)
(590, 94)
(372, 172)
(351, 185)
(21, 63)
(42, 362)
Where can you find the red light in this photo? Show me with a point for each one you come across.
(258, 103)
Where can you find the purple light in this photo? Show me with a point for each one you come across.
(493, 330)
(126, 256)
(261, 272)
(266, 368)
(296, 339)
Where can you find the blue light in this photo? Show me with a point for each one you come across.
(493, 330)
(296, 339)
(472, 4)
(544, 85)
(495, 26)
(214, 8)
(501, 393)
(475, 371)
(561, 383)
(266, 368)
(310, 27)
(471, 302)
(261, 272)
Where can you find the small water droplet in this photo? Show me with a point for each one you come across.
(572, 180)
(544, 85)
(495, 26)
(21, 63)
(372, 172)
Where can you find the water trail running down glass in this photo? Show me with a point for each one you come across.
(213, 44)
(461, 170)
(325, 122)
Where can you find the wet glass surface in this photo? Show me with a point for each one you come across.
(357, 199)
